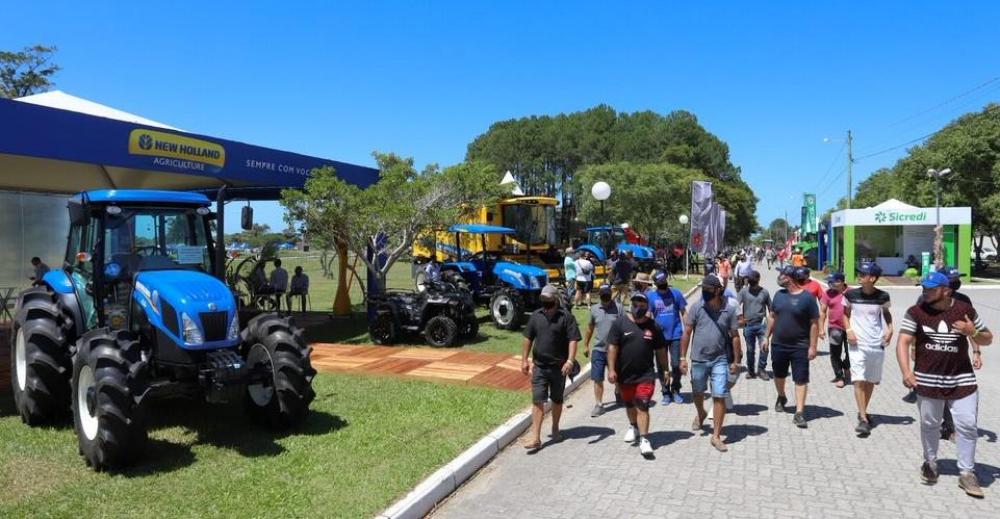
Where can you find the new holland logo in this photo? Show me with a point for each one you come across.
(177, 151)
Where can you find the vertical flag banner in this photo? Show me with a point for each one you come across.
(720, 236)
(810, 224)
(712, 235)
(701, 216)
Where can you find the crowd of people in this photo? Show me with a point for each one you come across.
(643, 332)
(278, 286)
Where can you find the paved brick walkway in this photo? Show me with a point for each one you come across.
(771, 470)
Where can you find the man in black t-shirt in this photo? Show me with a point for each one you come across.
(795, 327)
(550, 336)
(633, 341)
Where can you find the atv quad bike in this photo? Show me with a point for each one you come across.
(442, 313)
(135, 315)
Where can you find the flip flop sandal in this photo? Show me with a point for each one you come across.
(532, 447)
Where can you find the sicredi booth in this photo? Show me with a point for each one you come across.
(892, 231)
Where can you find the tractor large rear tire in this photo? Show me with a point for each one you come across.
(41, 361)
(275, 343)
(507, 309)
(109, 380)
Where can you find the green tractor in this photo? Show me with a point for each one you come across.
(136, 315)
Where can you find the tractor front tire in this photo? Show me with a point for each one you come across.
(275, 345)
(109, 380)
(40, 359)
(507, 309)
(441, 331)
(383, 329)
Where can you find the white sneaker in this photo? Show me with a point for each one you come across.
(645, 448)
(631, 434)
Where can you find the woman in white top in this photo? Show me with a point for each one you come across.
(584, 280)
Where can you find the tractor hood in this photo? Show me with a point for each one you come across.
(522, 277)
(187, 290)
(638, 251)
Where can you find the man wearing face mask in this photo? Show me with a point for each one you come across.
(794, 325)
(550, 336)
(667, 306)
(711, 328)
(633, 342)
(602, 316)
(756, 302)
(940, 330)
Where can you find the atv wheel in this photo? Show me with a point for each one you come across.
(40, 357)
(274, 345)
(441, 331)
(383, 329)
(507, 309)
(469, 328)
(108, 384)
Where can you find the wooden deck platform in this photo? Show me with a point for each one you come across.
(446, 365)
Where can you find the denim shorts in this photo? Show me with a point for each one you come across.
(717, 370)
(598, 363)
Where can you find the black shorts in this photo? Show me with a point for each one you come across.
(783, 357)
(547, 383)
(585, 286)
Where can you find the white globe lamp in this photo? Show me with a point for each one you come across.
(601, 191)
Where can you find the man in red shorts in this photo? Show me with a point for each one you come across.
(632, 342)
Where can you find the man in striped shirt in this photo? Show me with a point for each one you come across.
(941, 329)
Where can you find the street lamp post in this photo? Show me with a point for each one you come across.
(601, 191)
(937, 175)
(683, 219)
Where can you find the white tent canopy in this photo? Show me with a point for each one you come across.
(63, 101)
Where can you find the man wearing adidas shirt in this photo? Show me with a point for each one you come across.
(941, 329)
(865, 309)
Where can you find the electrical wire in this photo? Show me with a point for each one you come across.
(946, 102)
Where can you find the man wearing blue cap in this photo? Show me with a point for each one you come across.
(940, 330)
(865, 310)
(667, 305)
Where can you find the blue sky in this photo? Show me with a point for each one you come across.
(424, 78)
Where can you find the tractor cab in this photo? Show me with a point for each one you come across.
(146, 258)
(602, 240)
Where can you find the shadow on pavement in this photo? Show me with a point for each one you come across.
(986, 474)
(880, 419)
(748, 409)
(664, 438)
(735, 433)
(817, 411)
(586, 431)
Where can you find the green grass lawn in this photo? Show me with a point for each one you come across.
(368, 441)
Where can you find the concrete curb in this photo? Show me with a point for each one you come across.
(439, 485)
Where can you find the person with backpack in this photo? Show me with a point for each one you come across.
(584, 279)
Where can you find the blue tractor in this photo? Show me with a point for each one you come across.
(507, 288)
(135, 315)
(603, 239)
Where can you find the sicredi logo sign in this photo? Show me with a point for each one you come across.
(177, 151)
(890, 217)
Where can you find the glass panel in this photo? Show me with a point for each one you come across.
(533, 224)
(145, 238)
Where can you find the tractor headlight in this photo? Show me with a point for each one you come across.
(234, 327)
(533, 282)
(192, 335)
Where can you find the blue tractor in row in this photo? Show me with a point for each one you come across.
(507, 288)
(602, 240)
(134, 315)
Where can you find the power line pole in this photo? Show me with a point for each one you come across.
(850, 167)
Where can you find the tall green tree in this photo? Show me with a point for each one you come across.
(388, 216)
(28, 71)
(970, 146)
(545, 153)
